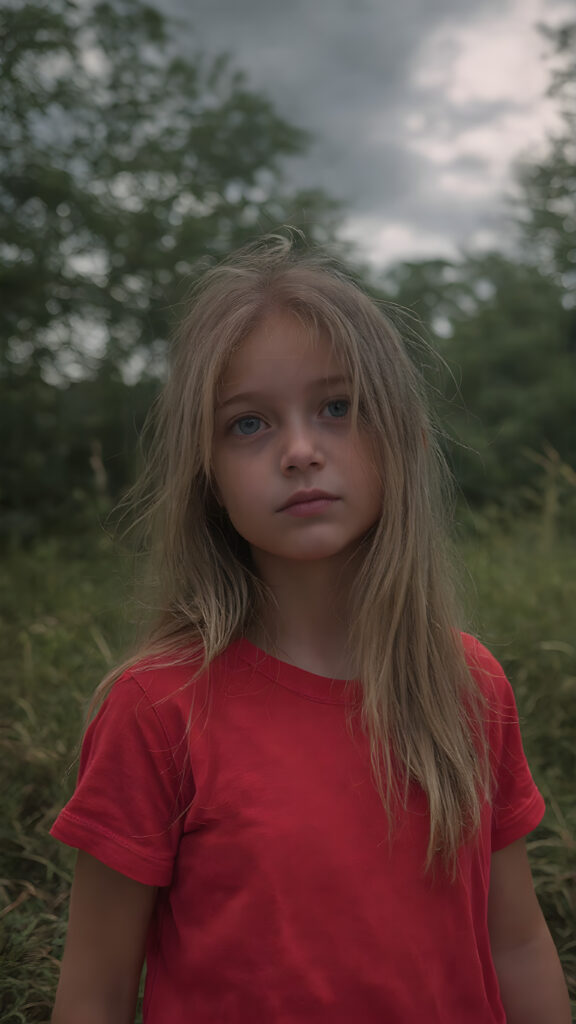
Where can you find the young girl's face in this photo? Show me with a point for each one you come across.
(296, 477)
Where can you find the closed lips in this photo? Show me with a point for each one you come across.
(301, 497)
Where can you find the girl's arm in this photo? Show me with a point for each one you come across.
(102, 963)
(532, 985)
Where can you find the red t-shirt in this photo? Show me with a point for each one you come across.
(283, 897)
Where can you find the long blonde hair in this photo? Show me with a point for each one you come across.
(421, 710)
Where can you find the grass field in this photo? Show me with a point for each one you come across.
(63, 622)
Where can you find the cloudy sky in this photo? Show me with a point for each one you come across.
(418, 108)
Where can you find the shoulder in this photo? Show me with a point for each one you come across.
(148, 690)
(487, 673)
(517, 805)
(478, 657)
(497, 706)
(500, 713)
(146, 715)
(169, 687)
(160, 680)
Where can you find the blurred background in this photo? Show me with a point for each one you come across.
(432, 146)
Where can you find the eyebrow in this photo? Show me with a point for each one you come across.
(257, 396)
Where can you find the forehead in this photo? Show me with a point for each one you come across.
(280, 352)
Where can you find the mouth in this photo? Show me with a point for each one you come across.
(320, 499)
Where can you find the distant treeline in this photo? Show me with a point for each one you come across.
(124, 166)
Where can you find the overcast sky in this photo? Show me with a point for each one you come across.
(418, 108)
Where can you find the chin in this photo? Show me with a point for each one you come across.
(318, 554)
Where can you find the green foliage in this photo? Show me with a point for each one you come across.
(69, 452)
(504, 381)
(546, 199)
(62, 613)
(525, 587)
(59, 610)
(121, 163)
(513, 368)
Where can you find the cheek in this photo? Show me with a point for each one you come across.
(233, 482)
(364, 468)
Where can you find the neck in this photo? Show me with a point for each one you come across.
(307, 622)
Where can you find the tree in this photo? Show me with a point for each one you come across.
(546, 194)
(121, 162)
(503, 380)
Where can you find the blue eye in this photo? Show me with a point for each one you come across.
(246, 425)
(338, 407)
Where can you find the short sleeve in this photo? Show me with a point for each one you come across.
(517, 804)
(133, 788)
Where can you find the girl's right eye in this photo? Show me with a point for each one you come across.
(246, 426)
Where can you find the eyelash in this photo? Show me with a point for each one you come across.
(242, 419)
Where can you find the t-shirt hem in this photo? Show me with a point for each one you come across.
(111, 850)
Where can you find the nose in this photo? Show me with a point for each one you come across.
(300, 449)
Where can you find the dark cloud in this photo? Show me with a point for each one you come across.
(345, 70)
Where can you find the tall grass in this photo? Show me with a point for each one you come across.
(523, 587)
(62, 623)
(60, 614)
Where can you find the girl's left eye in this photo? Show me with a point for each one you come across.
(246, 426)
(338, 408)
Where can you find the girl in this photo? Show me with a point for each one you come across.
(305, 799)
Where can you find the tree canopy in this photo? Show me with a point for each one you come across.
(546, 197)
(125, 157)
(122, 161)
